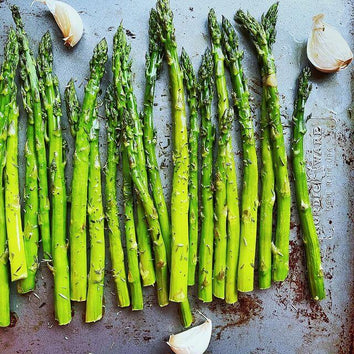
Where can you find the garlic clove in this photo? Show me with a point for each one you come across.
(327, 50)
(68, 20)
(192, 341)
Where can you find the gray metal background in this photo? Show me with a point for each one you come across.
(279, 320)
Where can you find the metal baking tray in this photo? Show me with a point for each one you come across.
(279, 320)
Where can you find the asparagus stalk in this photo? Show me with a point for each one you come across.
(52, 105)
(4, 276)
(220, 232)
(131, 146)
(122, 74)
(31, 230)
(249, 204)
(205, 83)
(130, 235)
(263, 36)
(4, 253)
(180, 197)
(153, 65)
(191, 86)
(8, 154)
(310, 238)
(12, 194)
(94, 305)
(146, 264)
(136, 157)
(6, 85)
(233, 222)
(268, 178)
(115, 243)
(30, 65)
(267, 202)
(78, 257)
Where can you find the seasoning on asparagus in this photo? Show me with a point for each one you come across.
(141, 188)
(7, 95)
(78, 257)
(115, 243)
(220, 232)
(130, 236)
(31, 200)
(179, 197)
(191, 87)
(134, 146)
(207, 132)
(94, 305)
(249, 199)
(153, 66)
(39, 127)
(266, 203)
(52, 104)
(233, 222)
(121, 68)
(310, 238)
(263, 36)
(9, 156)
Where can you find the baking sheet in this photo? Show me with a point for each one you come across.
(279, 320)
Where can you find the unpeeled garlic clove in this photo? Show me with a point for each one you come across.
(192, 341)
(68, 20)
(327, 50)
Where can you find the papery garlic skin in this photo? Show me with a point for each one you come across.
(68, 20)
(327, 50)
(192, 341)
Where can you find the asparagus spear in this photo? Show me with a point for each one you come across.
(267, 202)
(130, 236)
(4, 253)
(191, 86)
(12, 192)
(122, 73)
(233, 222)
(8, 155)
(30, 65)
(180, 197)
(78, 265)
(220, 232)
(134, 147)
(31, 230)
(310, 238)
(153, 65)
(205, 83)
(131, 146)
(115, 243)
(6, 85)
(249, 205)
(52, 105)
(94, 305)
(4, 276)
(268, 180)
(263, 36)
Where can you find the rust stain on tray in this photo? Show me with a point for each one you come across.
(247, 307)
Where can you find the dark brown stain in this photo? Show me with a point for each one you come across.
(239, 314)
(13, 319)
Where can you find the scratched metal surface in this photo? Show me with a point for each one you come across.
(279, 320)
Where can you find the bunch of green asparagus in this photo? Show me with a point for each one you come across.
(207, 230)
